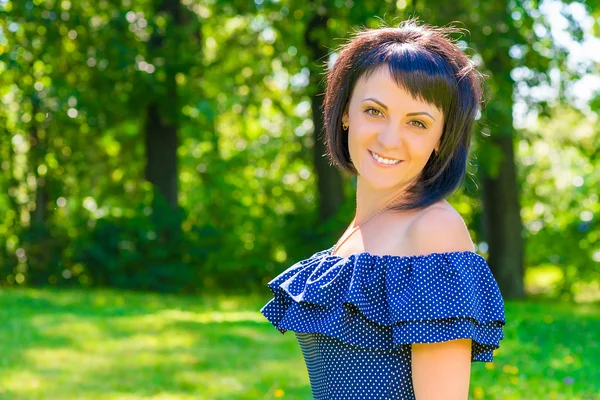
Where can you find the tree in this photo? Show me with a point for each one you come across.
(329, 180)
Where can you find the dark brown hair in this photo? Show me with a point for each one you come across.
(427, 63)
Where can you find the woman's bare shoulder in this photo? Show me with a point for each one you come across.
(439, 228)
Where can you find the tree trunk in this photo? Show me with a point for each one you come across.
(161, 120)
(329, 180)
(502, 216)
(161, 153)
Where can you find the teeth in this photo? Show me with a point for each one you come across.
(384, 160)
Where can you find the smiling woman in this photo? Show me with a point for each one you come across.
(398, 308)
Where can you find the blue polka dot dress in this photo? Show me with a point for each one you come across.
(355, 317)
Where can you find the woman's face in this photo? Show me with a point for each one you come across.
(385, 119)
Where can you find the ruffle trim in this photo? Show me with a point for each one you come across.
(427, 298)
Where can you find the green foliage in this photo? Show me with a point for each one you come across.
(76, 80)
(142, 251)
(560, 197)
(42, 245)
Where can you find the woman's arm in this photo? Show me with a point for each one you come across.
(440, 371)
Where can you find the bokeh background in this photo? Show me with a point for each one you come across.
(162, 160)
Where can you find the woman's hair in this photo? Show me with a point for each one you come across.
(424, 61)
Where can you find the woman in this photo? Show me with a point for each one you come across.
(402, 304)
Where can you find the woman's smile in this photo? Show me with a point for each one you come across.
(383, 162)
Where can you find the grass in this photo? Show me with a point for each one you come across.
(75, 344)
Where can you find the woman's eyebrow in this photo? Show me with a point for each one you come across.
(408, 115)
(420, 113)
(376, 101)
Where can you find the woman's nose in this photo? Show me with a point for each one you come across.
(391, 137)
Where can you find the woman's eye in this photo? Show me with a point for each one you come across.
(373, 111)
(418, 124)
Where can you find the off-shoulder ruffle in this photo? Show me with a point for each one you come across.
(386, 301)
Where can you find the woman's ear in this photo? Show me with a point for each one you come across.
(345, 116)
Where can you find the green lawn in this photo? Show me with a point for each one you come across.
(74, 344)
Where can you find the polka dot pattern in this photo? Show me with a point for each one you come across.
(355, 317)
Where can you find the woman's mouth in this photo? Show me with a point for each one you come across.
(384, 161)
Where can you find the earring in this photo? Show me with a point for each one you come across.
(345, 126)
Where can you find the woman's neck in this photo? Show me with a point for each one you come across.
(369, 201)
